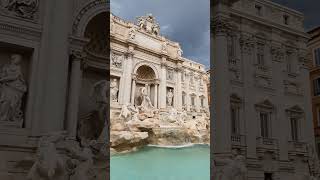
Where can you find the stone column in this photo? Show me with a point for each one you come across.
(221, 137)
(188, 98)
(197, 103)
(74, 93)
(156, 96)
(247, 51)
(163, 84)
(178, 87)
(52, 78)
(126, 78)
(133, 90)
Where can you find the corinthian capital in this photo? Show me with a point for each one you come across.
(221, 26)
(247, 44)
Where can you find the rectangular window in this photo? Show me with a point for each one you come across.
(317, 56)
(260, 54)
(267, 176)
(294, 129)
(264, 123)
(192, 101)
(316, 87)
(258, 10)
(286, 19)
(318, 149)
(182, 77)
(202, 104)
(289, 62)
(318, 116)
(234, 120)
(183, 99)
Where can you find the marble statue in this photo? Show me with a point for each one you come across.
(132, 33)
(114, 90)
(148, 24)
(170, 97)
(156, 29)
(179, 52)
(146, 109)
(48, 164)
(146, 102)
(141, 22)
(125, 112)
(173, 115)
(234, 168)
(12, 89)
(82, 161)
(99, 92)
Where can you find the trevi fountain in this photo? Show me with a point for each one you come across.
(159, 110)
(157, 96)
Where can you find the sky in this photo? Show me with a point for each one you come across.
(310, 9)
(184, 21)
(187, 21)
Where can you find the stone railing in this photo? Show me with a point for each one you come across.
(238, 140)
(267, 143)
(299, 147)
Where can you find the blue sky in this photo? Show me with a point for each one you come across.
(183, 21)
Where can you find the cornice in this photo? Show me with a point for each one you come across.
(21, 30)
(268, 23)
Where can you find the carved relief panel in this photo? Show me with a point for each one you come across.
(26, 9)
(116, 60)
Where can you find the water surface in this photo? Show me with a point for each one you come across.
(155, 163)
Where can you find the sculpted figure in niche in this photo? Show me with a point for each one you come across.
(114, 90)
(146, 102)
(99, 93)
(12, 89)
(170, 97)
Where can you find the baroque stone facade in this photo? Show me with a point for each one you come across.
(140, 56)
(262, 120)
(314, 53)
(157, 95)
(53, 89)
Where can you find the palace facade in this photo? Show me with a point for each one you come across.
(314, 51)
(261, 91)
(142, 57)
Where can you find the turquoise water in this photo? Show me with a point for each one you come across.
(153, 163)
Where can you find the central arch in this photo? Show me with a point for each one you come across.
(145, 76)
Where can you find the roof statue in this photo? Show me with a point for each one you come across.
(148, 24)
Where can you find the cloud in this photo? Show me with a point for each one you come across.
(184, 21)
